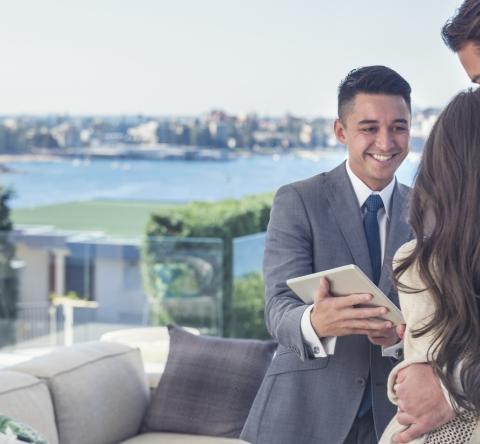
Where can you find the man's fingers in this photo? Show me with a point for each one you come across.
(338, 316)
(371, 326)
(378, 335)
(401, 376)
(363, 313)
(323, 291)
(400, 392)
(401, 330)
(352, 299)
(358, 331)
(415, 431)
(404, 418)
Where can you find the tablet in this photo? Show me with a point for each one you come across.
(343, 281)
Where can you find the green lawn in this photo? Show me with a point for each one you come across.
(115, 218)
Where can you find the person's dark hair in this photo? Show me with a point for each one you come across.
(371, 80)
(463, 27)
(445, 215)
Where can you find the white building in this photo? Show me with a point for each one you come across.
(91, 265)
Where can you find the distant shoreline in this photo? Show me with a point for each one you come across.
(8, 158)
(171, 153)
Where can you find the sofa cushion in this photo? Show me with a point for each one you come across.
(11, 428)
(208, 385)
(179, 438)
(26, 399)
(99, 390)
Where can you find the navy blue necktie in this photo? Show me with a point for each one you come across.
(372, 232)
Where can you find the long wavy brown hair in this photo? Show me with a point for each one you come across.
(445, 216)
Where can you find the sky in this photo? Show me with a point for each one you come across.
(186, 57)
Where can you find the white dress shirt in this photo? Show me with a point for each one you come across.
(320, 348)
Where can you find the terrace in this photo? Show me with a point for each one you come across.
(89, 270)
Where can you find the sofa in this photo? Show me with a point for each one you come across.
(97, 392)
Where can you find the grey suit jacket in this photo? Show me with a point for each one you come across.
(316, 224)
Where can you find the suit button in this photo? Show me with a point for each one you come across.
(360, 381)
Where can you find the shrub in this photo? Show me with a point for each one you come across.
(248, 307)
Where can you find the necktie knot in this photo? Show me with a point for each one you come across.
(373, 203)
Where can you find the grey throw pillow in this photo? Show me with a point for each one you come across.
(209, 384)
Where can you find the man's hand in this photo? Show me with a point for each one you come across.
(338, 316)
(388, 336)
(385, 337)
(401, 330)
(421, 402)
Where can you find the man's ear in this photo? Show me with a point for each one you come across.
(339, 130)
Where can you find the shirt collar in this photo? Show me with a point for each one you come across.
(362, 191)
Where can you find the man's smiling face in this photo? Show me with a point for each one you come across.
(376, 131)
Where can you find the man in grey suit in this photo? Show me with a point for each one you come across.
(327, 382)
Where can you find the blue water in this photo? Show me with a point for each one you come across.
(41, 183)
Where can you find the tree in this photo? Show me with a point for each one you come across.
(8, 278)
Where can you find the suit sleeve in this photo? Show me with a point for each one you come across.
(288, 254)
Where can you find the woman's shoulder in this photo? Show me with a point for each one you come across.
(410, 276)
(405, 250)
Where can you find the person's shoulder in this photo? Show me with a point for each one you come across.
(404, 190)
(403, 187)
(301, 192)
(411, 273)
(410, 276)
(405, 250)
(314, 184)
(307, 184)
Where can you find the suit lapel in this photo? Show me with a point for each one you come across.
(344, 204)
(399, 232)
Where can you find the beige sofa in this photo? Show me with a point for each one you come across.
(92, 393)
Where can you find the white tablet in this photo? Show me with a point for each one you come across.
(345, 280)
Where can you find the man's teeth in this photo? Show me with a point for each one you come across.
(382, 157)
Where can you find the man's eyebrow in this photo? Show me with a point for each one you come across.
(370, 122)
(367, 122)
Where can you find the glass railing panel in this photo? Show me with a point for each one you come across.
(183, 278)
(248, 287)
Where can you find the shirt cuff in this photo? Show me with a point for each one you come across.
(393, 351)
(320, 348)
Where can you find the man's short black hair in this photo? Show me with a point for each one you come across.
(371, 80)
(463, 27)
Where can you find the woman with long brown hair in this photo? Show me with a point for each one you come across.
(438, 275)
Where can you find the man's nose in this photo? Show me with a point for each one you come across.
(384, 140)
